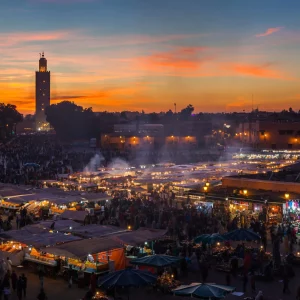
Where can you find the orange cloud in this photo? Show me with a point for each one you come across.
(254, 70)
(269, 31)
(180, 59)
(10, 39)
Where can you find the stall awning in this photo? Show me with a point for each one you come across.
(96, 197)
(82, 248)
(40, 239)
(97, 230)
(59, 225)
(139, 236)
(74, 215)
(15, 200)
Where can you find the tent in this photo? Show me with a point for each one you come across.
(203, 290)
(39, 240)
(74, 215)
(81, 248)
(241, 235)
(156, 261)
(127, 278)
(94, 230)
(59, 225)
(139, 236)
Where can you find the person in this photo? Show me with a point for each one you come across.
(259, 296)
(6, 286)
(20, 288)
(70, 276)
(14, 279)
(285, 282)
(42, 295)
(252, 281)
(41, 276)
(9, 265)
(93, 283)
(228, 279)
(298, 293)
(2, 269)
(18, 221)
(88, 295)
(24, 284)
(245, 282)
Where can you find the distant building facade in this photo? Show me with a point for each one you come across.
(270, 134)
(145, 136)
(42, 94)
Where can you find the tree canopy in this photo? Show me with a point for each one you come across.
(9, 117)
(69, 120)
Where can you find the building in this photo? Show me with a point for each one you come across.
(42, 94)
(270, 134)
(132, 136)
(125, 129)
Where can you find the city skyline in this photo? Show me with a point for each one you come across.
(137, 55)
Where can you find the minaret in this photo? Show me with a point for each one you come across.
(42, 94)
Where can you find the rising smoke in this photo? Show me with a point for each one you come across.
(94, 164)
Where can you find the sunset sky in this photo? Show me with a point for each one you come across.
(120, 55)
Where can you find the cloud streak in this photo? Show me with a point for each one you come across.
(262, 70)
(269, 31)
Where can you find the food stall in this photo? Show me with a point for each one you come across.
(13, 250)
(96, 255)
(139, 243)
(31, 241)
(13, 203)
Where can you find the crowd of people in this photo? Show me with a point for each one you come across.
(28, 159)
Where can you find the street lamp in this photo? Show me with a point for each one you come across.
(245, 192)
(205, 189)
(286, 196)
(207, 184)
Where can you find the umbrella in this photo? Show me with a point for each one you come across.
(241, 235)
(127, 278)
(31, 165)
(156, 260)
(209, 239)
(204, 290)
(200, 238)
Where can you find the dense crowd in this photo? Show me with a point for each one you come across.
(26, 159)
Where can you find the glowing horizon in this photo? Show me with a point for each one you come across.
(145, 56)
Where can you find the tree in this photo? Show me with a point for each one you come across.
(153, 117)
(186, 112)
(69, 120)
(9, 117)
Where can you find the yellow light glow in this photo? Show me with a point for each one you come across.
(205, 188)
(245, 192)
(286, 196)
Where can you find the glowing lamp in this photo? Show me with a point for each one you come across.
(245, 192)
(286, 196)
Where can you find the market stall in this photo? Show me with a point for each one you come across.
(14, 203)
(89, 256)
(30, 243)
(139, 243)
(13, 250)
(79, 216)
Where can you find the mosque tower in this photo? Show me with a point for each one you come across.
(42, 94)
